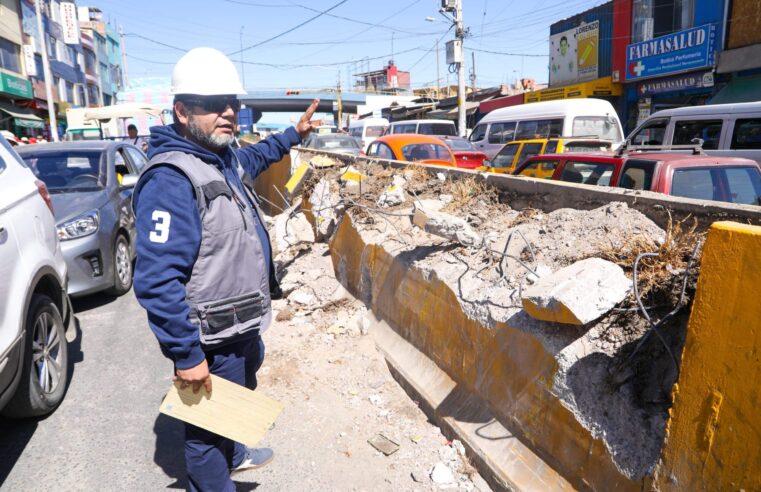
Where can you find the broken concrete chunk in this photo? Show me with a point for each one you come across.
(352, 174)
(442, 474)
(447, 226)
(321, 161)
(394, 195)
(297, 179)
(325, 208)
(577, 294)
(303, 298)
(291, 230)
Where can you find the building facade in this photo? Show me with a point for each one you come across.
(83, 72)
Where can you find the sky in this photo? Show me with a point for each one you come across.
(314, 55)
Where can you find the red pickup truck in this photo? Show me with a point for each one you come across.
(725, 179)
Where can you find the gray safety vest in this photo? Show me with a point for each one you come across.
(228, 291)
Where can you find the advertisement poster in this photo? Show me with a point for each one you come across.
(29, 62)
(69, 23)
(574, 54)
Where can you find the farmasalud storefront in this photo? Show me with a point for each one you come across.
(670, 71)
(15, 95)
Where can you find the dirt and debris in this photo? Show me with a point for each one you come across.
(363, 431)
(614, 373)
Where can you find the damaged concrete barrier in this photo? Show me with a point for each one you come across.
(447, 226)
(577, 294)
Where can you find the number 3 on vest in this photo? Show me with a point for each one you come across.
(161, 232)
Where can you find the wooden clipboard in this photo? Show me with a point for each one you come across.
(231, 410)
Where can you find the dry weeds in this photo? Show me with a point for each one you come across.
(463, 191)
(656, 273)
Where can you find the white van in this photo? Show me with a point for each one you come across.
(566, 118)
(424, 127)
(367, 130)
(732, 130)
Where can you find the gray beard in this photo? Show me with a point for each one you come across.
(209, 141)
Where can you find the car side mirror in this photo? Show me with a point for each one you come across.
(129, 180)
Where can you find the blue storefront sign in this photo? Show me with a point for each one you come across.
(681, 51)
(683, 82)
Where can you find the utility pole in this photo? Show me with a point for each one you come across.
(124, 57)
(339, 103)
(461, 96)
(473, 72)
(46, 72)
(242, 68)
(438, 73)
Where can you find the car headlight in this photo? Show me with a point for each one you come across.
(84, 225)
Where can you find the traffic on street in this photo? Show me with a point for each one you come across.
(427, 245)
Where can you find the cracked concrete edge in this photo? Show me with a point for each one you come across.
(501, 459)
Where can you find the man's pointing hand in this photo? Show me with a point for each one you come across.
(306, 124)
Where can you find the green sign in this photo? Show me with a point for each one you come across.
(16, 86)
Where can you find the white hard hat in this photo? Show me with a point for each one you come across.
(206, 72)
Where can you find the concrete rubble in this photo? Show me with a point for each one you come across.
(320, 313)
(577, 294)
(514, 266)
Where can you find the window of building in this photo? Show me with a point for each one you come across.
(40, 70)
(70, 92)
(93, 94)
(655, 18)
(9, 56)
(50, 46)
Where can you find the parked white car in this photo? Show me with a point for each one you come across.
(33, 300)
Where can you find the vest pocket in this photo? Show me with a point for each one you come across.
(218, 316)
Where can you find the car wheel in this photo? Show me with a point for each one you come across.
(45, 368)
(122, 267)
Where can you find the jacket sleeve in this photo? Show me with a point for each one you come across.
(168, 239)
(256, 158)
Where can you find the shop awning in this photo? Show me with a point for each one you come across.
(740, 89)
(603, 87)
(452, 114)
(22, 116)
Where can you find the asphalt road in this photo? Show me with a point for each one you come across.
(107, 434)
(337, 391)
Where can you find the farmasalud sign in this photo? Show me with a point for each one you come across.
(681, 51)
(15, 86)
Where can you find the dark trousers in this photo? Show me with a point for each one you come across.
(210, 457)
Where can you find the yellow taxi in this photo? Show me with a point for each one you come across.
(517, 151)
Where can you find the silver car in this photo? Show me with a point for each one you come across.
(91, 183)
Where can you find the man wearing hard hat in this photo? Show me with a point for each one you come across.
(204, 269)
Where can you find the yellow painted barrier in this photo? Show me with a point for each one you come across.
(714, 434)
(505, 366)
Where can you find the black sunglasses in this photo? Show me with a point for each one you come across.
(214, 104)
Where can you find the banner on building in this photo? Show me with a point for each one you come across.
(681, 51)
(69, 23)
(574, 54)
(677, 83)
(31, 65)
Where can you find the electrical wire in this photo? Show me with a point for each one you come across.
(272, 38)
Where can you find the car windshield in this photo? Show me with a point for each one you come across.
(461, 145)
(334, 143)
(374, 131)
(436, 129)
(602, 127)
(422, 152)
(505, 156)
(68, 170)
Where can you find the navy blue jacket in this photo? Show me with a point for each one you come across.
(163, 268)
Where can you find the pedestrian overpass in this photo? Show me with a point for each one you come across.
(299, 101)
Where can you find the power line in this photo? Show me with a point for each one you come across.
(508, 54)
(135, 35)
(289, 30)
